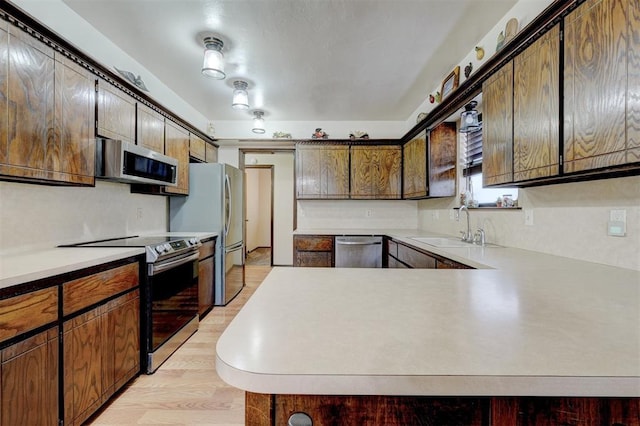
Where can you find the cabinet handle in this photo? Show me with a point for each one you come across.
(300, 419)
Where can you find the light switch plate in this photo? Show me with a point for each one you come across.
(617, 224)
(528, 217)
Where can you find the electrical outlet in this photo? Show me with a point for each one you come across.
(139, 213)
(617, 224)
(368, 213)
(528, 217)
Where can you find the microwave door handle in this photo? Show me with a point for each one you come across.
(227, 204)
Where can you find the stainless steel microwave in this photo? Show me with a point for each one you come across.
(126, 162)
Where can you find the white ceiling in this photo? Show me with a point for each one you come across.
(304, 60)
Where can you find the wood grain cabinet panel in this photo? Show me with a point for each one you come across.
(177, 146)
(414, 258)
(497, 128)
(197, 147)
(27, 312)
(536, 109)
(29, 381)
(150, 129)
(116, 113)
(375, 172)
(313, 250)
(322, 171)
(211, 153)
(601, 80)
(414, 157)
(443, 142)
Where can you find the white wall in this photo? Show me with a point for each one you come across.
(39, 216)
(568, 220)
(283, 208)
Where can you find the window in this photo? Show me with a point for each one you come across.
(471, 162)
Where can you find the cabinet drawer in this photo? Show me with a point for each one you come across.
(207, 249)
(393, 263)
(314, 259)
(414, 258)
(313, 243)
(450, 264)
(26, 312)
(86, 291)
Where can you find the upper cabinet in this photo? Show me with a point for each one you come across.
(211, 153)
(322, 171)
(497, 127)
(414, 157)
(177, 146)
(602, 85)
(150, 129)
(536, 109)
(46, 128)
(116, 113)
(375, 172)
(443, 142)
(197, 147)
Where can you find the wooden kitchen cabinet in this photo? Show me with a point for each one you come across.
(47, 129)
(116, 113)
(497, 127)
(211, 153)
(177, 146)
(414, 157)
(28, 362)
(601, 81)
(375, 172)
(536, 109)
(443, 142)
(101, 346)
(206, 274)
(197, 147)
(400, 255)
(29, 381)
(313, 250)
(322, 171)
(150, 129)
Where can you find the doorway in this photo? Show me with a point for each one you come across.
(259, 214)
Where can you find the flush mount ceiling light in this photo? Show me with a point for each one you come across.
(240, 95)
(213, 65)
(469, 118)
(258, 122)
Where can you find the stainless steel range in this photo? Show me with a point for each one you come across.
(169, 293)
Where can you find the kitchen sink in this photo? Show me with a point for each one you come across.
(448, 242)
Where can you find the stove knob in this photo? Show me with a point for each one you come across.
(167, 247)
(160, 249)
(193, 241)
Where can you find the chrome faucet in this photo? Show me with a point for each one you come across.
(466, 236)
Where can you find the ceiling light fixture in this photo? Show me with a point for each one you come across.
(469, 118)
(213, 65)
(258, 122)
(240, 95)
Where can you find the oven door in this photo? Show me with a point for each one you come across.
(172, 307)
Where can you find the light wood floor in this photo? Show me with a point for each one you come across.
(186, 389)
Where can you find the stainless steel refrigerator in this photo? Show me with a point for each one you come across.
(215, 203)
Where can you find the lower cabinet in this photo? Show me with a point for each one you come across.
(206, 277)
(400, 255)
(29, 381)
(313, 250)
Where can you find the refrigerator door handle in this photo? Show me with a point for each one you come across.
(227, 204)
(234, 247)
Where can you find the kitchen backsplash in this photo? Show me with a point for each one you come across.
(359, 214)
(568, 220)
(39, 216)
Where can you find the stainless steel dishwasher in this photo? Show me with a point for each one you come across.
(358, 252)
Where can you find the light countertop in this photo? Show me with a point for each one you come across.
(23, 267)
(527, 324)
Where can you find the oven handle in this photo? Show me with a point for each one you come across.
(158, 268)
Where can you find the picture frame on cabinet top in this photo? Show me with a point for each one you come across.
(450, 83)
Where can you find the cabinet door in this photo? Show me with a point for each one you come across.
(211, 153)
(197, 147)
(497, 128)
(73, 158)
(536, 109)
(443, 142)
(82, 360)
(601, 49)
(313, 250)
(205, 285)
(122, 341)
(177, 146)
(322, 171)
(414, 155)
(150, 129)
(375, 172)
(116, 113)
(29, 381)
(28, 105)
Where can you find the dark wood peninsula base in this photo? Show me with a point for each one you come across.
(334, 410)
